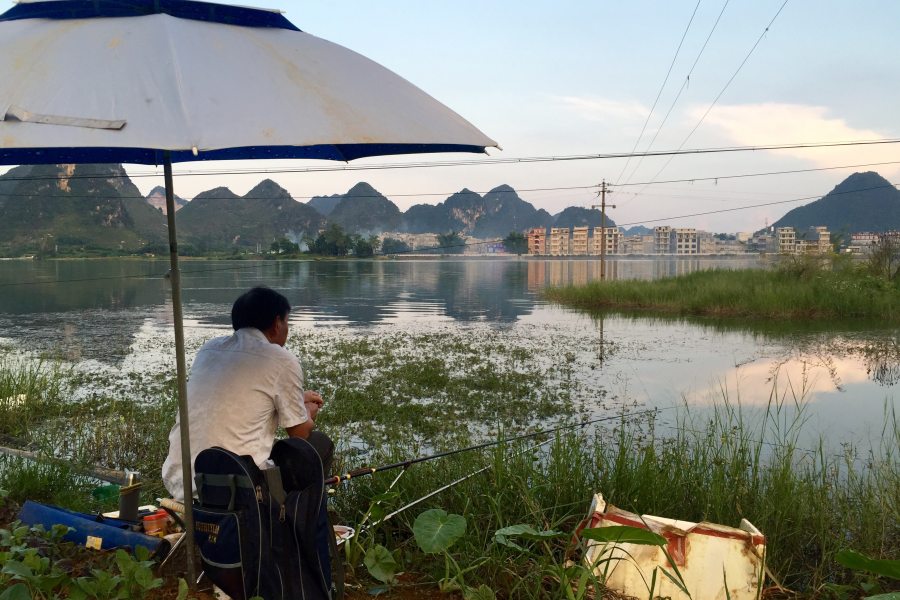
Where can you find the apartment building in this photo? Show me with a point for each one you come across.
(819, 240)
(707, 243)
(787, 239)
(662, 240)
(537, 240)
(579, 241)
(613, 241)
(864, 238)
(635, 245)
(559, 241)
(684, 241)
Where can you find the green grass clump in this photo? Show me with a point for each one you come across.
(719, 466)
(751, 293)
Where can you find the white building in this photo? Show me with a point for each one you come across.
(559, 242)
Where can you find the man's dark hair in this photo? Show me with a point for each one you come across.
(259, 308)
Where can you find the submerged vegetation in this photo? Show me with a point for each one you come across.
(797, 287)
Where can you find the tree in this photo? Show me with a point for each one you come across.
(284, 246)
(330, 242)
(884, 257)
(516, 243)
(394, 246)
(365, 247)
(451, 243)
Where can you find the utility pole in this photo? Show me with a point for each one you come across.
(602, 207)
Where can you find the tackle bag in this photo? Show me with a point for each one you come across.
(304, 519)
(263, 532)
(232, 526)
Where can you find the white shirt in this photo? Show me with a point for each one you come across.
(241, 389)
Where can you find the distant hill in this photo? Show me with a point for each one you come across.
(76, 205)
(494, 215)
(220, 218)
(365, 210)
(325, 204)
(862, 202)
(157, 199)
(637, 230)
(577, 216)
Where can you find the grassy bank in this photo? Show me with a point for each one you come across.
(751, 293)
(406, 395)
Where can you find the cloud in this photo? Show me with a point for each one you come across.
(772, 123)
(595, 108)
(806, 374)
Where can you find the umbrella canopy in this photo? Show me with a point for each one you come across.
(121, 81)
(163, 81)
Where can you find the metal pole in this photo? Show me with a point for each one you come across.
(186, 465)
(603, 231)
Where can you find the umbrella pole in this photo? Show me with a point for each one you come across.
(186, 464)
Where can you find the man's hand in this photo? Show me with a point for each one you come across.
(313, 402)
(309, 396)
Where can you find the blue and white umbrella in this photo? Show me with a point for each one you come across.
(164, 81)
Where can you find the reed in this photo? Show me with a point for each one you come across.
(753, 293)
(719, 465)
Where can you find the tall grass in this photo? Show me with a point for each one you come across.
(786, 293)
(720, 465)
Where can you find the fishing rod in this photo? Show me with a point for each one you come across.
(337, 479)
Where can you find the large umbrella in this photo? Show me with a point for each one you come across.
(163, 81)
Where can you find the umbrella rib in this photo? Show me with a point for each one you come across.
(337, 149)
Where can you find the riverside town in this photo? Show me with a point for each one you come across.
(589, 300)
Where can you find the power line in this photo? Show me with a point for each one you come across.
(491, 161)
(724, 210)
(516, 191)
(646, 183)
(68, 196)
(741, 66)
(661, 88)
(683, 87)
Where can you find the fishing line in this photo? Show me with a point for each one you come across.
(337, 479)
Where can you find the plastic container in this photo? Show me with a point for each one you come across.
(156, 524)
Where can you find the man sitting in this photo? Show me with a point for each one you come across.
(243, 387)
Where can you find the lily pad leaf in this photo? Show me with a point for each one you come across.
(855, 560)
(435, 530)
(381, 564)
(623, 534)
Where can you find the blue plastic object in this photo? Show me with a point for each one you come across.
(92, 531)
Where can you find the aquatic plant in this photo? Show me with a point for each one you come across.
(807, 292)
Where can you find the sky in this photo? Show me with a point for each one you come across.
(577, 77)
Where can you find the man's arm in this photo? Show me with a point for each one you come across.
(313, 402)
(302, 430)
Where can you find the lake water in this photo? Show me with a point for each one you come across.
(114, 315)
